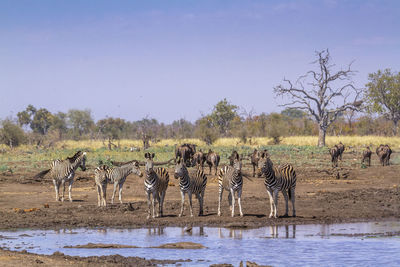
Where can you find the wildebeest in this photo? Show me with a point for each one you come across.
(255, 157)
(185, 152)
(212, 159)
(198, 160)
(340, 147)
(232, 157)
(334, 151)
(367, 156)
(384, 152)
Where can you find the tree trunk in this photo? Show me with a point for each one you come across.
(395, 124)
(321, 137)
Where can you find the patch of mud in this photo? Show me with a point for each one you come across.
(100, 245)
(181, 245)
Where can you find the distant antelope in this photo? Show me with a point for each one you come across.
(198, 160)
(62, 171)
(384, 152)
(367, 156)
(334, 151)
(341, 148)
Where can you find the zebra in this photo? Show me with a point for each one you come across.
(278, 179)
(230, 178)
(115, 175)
(367, 156)
(190, 184)
(155, 184)
(100, 178)
(62, 171)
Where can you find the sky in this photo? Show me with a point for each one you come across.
(176, 59)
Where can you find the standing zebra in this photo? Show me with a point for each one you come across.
(278, 179)
(63, 171)
(190, 184)
(115, 175)
(230, 178)
(156, 184)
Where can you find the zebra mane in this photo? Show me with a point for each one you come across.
(119, 164)
(74, 157)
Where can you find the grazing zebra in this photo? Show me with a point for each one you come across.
(278, 179)
(115, 175)
(230, 178)
(334, 151)
(340, 147)
(63, 171)
(155, 184)
(367, 156)
(190, 184)
(212, 159)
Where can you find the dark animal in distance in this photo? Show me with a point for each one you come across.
(384, 152)
(341, 148)
(367, 156)
(255, 157)
(232, 157)
(212, 159)
(334, 151)
(198, 160)
(185, 152)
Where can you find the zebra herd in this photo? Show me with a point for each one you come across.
(156, 180)
(382, 151)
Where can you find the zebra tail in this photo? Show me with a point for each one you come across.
(41, 174)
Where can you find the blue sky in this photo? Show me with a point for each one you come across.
(176, 59)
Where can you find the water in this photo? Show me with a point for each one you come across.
(372, 243)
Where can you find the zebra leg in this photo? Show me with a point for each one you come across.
(201, 199)
(182, 203)
(63, 184)
(149, 205)
(210, 169)
(120, 192)
(240, 205)
(275, 194)
(292, 196)
(285, 196)
(156, 197)
(98, 196)
(190, 203)
(271, 202)
(220, 191)
(104, 193)
(57, 188)
(114, 189)
(162, 203)
(233, 201)
(70, 189)
(230, 200)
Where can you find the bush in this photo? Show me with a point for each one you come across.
(11, 134)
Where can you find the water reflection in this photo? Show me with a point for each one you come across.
(274, 231)
(232, 233)
(155, 231)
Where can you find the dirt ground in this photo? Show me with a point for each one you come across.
(358, 195)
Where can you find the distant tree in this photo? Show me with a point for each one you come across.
(182, 128)
(111, 129)
(11, 134)
(319, 93)
(222, 116)
(60, 124)
(25, 117)
(42, 120)
(205, 130)
(293, 113)
(80, 121)
(383, 95)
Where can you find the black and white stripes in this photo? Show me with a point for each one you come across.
(278, 179)
(190, 184)
(155, 184)
(230, 178)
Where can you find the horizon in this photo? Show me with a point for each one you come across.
(176, 60)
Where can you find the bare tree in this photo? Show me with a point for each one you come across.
(319, 93)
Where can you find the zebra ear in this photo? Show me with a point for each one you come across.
(146, 155)
(152, 155)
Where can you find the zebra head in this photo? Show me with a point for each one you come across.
(149, 162)
(236, 162)
(136, 169)
(264, 163)
(180, 169)
(83, 162)
(79, 159)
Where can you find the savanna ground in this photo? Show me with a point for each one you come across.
(360, 194)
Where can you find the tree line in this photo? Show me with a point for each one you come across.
(322, 101)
